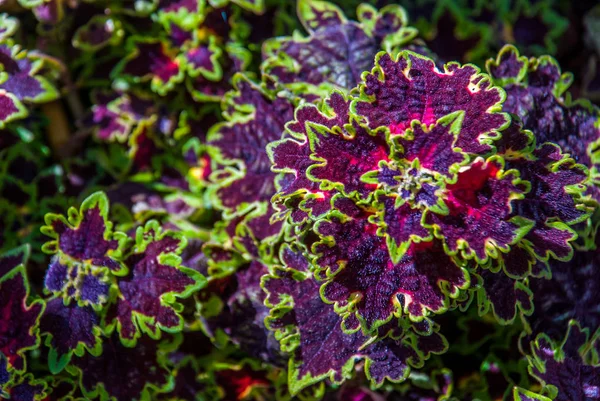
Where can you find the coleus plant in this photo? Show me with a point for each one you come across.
(198, 204)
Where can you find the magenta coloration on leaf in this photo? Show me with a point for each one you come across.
(10, 108)
(151, 61)
(397, 152)
(146, 299)
(410, 87)
(20, 318)
(291, 155)
(433, 148)
(356, 261)
(313, 333)
(479, 210)
(342, 159)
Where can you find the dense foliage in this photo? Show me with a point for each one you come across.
(272, 200)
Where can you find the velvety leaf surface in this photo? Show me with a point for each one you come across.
(561, 368)
(553, 118)
(336, 51)
(360, 264)
(146, 300)
(20, 317)
(69, 328)
(259, 119)
(479, 206)
(86, 236)
(320, 349)
(432, 147)
(344, 157)
(410, 87)
(505, 295)
(290, 156)
(122, 373)
(556, 194)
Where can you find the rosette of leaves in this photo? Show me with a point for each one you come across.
(337, 50)
(100, 280)
(411, 201)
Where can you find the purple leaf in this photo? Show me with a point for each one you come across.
(142, 367)
(146, 300)
(69, 329)
(86, 236)
(410, 87)
(361, 276)
(19, 323)
(320, 349)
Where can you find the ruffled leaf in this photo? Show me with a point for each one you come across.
(561, 367)
(26, 388)
(361, 276)
(143, 368)
(152, 61)
(69, 329)
(86, 236)
(478, 222)
(146, 300)
(257, 119)
(535, 90)
(410, 87)
(20, 318)
(21, 81)
(311, 331)
(506, 296)
(337, 51)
